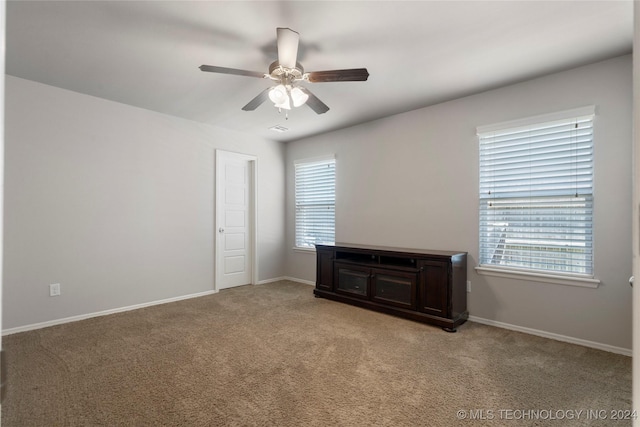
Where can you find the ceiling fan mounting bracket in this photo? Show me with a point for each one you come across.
(280, 73)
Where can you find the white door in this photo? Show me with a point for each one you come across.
(235, 219)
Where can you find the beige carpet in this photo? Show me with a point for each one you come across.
(273, 355)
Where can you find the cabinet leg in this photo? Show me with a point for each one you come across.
(450, 330)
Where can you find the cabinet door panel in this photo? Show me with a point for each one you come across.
(434, 286)
(352, 280)
(324, 270)
(394, 288)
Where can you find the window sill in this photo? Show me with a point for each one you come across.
(304, 250)
(557, 279)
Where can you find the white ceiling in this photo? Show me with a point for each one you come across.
(147, 53)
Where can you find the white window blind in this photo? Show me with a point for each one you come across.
(315, 202)
(536, 196)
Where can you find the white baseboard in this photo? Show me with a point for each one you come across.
(46, 324)
(306, 282)
(550, 335)
(537, 332)
(292, 279)
(275, 279)
(101, 313)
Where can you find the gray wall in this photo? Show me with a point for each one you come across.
(116, 204)
(411, 180)
(635, 369)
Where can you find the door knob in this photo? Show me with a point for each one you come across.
(221, 230)
(631, 279)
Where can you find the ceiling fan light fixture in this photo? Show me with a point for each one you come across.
(286, 105)
(280, 97)
(298, 97)
(278, 94)
(287, 72)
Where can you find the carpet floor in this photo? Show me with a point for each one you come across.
(273, 355)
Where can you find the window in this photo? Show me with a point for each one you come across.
(315, 202)
(536, 194)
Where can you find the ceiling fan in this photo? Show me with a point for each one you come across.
(288, 73)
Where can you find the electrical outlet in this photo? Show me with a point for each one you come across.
(54, 289)
(468, 286)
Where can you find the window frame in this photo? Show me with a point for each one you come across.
(538, 275)
(327, 160)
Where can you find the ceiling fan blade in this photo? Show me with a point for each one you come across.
(224, 70)
(351, 75)
(257, 101)
(287, 47)
(314, 103)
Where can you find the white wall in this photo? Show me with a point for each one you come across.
(116, 204)
(411, 180)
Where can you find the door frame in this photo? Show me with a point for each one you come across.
(253, 217)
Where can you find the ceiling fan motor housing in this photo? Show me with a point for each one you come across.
(283, 74)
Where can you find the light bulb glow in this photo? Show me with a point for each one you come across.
(285, 105)
(298, 97)
(278, 94)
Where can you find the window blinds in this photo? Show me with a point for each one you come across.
(536, 196)
(315, 202)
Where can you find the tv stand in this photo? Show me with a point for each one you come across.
(426, 286)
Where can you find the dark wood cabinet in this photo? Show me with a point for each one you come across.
(324, 270)
(353, 280)
(434, 297)
(427, 286)
(397, 288)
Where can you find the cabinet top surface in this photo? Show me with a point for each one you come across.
(347, 246)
